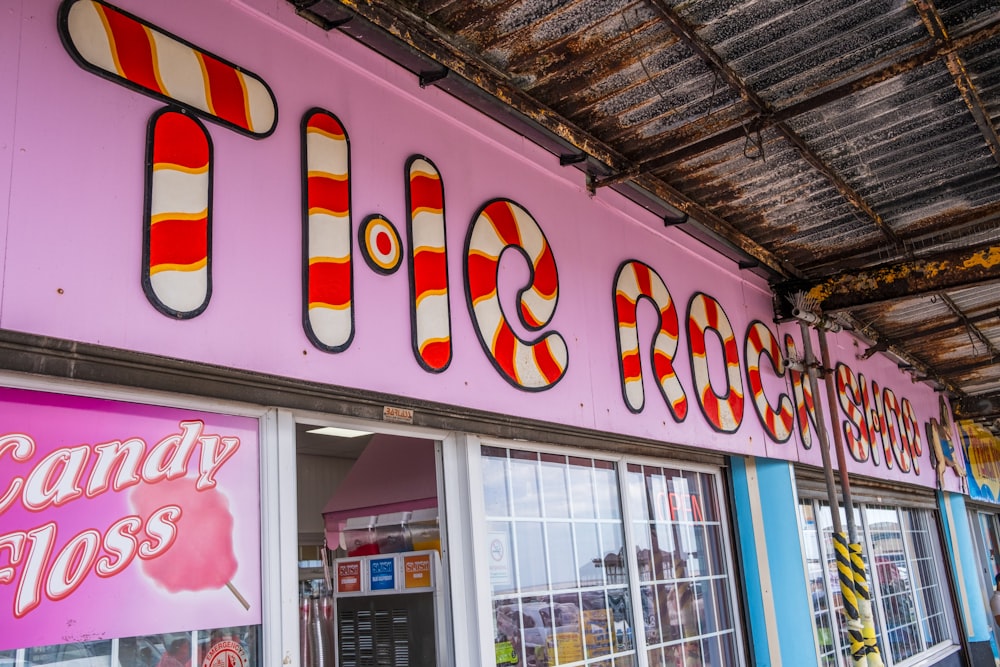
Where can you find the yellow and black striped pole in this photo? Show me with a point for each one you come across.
(850, 599)
(865, 607)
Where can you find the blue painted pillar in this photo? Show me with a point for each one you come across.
(779, 611)
(974, 619)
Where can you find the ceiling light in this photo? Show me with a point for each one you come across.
(339, 432)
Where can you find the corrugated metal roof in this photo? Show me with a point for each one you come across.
(816, 137)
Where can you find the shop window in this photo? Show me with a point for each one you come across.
(905, 579)
(570, 587)
(172, 649)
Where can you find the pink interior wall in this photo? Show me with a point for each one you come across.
(72, 258)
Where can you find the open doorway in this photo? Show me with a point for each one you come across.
(369, 548)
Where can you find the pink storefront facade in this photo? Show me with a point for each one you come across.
(221, 223)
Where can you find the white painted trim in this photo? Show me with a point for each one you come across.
(481, 615)
(279, 540)
(460, 573)
(128, 394)
(763, 566)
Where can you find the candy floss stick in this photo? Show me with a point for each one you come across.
(201, 557)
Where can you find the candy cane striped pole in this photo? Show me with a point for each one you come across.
(529, 365)
(177, 236)
(761, 342)
(429, 308)
(125, 49)
(635, 281)
(724, 412)
(327, 246)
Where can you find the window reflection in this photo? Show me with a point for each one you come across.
(171, 649)
(573, 601)
(902, 566)
(570, 604)
(687, 615)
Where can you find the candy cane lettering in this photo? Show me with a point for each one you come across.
(874, 416)
(177, 236)
(761, 342)
(636, 281)
(127, 50)
(328, 316)
(855, 427)
(893, 426)
(724, 412)
(911, 435)
(535, 365)
(380, 244)
(805, 409)
(430, 312)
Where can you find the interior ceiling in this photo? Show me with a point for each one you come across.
(847, 150)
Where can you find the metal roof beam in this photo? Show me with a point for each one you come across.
(889, 282)
(935, 26)
(506, 99)
(891, 71)
(952, 327)
(979, 364)
(687, 34)
(984, 406)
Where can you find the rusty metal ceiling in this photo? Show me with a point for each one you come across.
(846, 149)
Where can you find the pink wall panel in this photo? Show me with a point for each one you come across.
(73, 248)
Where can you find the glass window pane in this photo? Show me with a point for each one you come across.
(638, 505)
(613, 542)
(495, 486)
(582, 492)
(96, 653)
(537, 615)
(503, 564)
(554, 484)
(524, 486)
(530, 555)
(588, 546)
(564, 566)
(606, 490)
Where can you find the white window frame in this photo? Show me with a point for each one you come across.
(477, 539)
(931, 653)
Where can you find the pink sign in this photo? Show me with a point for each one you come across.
(119, 519)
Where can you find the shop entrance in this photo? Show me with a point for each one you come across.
(369, 548)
